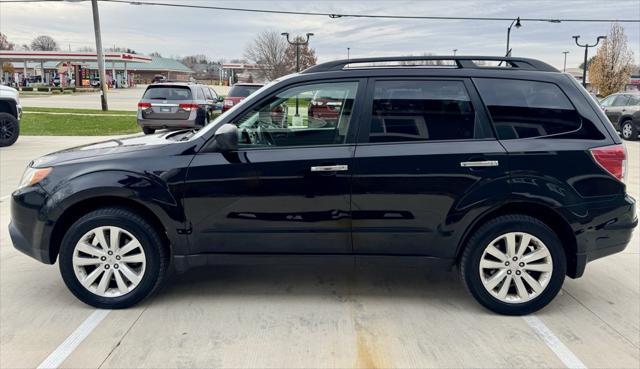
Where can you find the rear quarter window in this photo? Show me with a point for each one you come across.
(527, 109)
(167, 93)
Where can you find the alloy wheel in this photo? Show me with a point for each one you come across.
(516, 267)
(627, 130)
(7, 129)
(109, 261)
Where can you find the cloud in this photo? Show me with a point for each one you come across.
(175, 31)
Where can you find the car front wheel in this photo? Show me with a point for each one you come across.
(9, 129)
(112, 258)
(513, 265)
(629, 131)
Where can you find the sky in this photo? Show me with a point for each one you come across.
(226, 34)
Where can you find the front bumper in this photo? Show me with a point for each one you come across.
(30, 233)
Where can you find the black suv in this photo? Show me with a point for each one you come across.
(503, 167)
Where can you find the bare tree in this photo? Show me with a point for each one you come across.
(44, 43)
(4, 43)
(119, 49)
(269, 48)
(156, 53)
(612, 66)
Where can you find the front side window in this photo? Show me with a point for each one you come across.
(620, 100)
(317, 114)
(421, 111)
(525, 109)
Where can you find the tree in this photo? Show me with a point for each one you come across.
(155, 53)
(307, 56)
(589, 61)
(44, 43)
(269, 49)
(119, 49)
(612, 66)
(4, 43)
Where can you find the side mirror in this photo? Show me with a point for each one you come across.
(226, 138)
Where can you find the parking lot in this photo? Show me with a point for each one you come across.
(309, 316)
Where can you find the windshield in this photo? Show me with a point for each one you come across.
(242, 90)
(167, 93)
(248, 100)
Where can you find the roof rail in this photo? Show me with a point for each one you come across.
(457, 62)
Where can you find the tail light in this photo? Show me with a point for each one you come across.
(188, 106)
(613, 159)
(144, 105)
(228, 102)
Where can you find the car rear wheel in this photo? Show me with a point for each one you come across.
(148, 131)
(112, 258)
(9, 129)
(629, 131)
(513, 265)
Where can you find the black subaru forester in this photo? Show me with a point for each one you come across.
(503, 167)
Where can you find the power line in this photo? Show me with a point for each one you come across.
(338, 15)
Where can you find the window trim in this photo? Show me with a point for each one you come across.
(493, 125)
(352, 130)
(484, 130)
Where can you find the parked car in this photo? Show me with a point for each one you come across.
(94, 82)
(237, 93)
(623, 110)
(513, 175)
(175, 105)
(10, 113)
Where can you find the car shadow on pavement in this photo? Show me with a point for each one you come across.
(341, 283)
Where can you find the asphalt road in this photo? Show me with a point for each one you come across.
(318, 316)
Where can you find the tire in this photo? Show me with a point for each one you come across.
(628, 131)
(148, 262)
(9, 129)
(148, 131)
(513, 302)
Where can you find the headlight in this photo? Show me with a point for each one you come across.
(32, 176)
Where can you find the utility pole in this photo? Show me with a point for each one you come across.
(586, 52)
(297, 45)
(100, 55)
(564, 67)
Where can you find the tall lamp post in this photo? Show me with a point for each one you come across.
(518, 25)
(586, 52)
(455, 51)
(564, 67)
(297, 45)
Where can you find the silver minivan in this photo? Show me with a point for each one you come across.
(176, 105)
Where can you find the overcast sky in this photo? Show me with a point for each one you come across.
(225, 34)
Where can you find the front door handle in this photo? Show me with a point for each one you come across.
(478, 164)
(330, 168)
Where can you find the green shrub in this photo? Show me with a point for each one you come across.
(43, 89)
(56, 92)
(26, 89)
(59, 89)
(72, 89)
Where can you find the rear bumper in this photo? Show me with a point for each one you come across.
(610, 232)
(168, 123)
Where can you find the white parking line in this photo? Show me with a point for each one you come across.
(569, 359)
(59, 355)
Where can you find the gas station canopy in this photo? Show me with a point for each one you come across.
(20, 56)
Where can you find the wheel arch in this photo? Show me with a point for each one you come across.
(8, 106)
(82, 207)
(544, 213)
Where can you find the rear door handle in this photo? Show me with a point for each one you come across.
(478, 164)
(330, 168)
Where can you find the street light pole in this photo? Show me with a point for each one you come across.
(564, 67)
(586, 52)
(455, 51)
(348, 50)
(518, 25)
(100, 55)
(297, 45)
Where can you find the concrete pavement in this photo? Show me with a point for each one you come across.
(321, 316)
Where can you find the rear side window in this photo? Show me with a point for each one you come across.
(525, 109)
(634, 100)
(421, 111)
(167, 93)
(621, 100)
